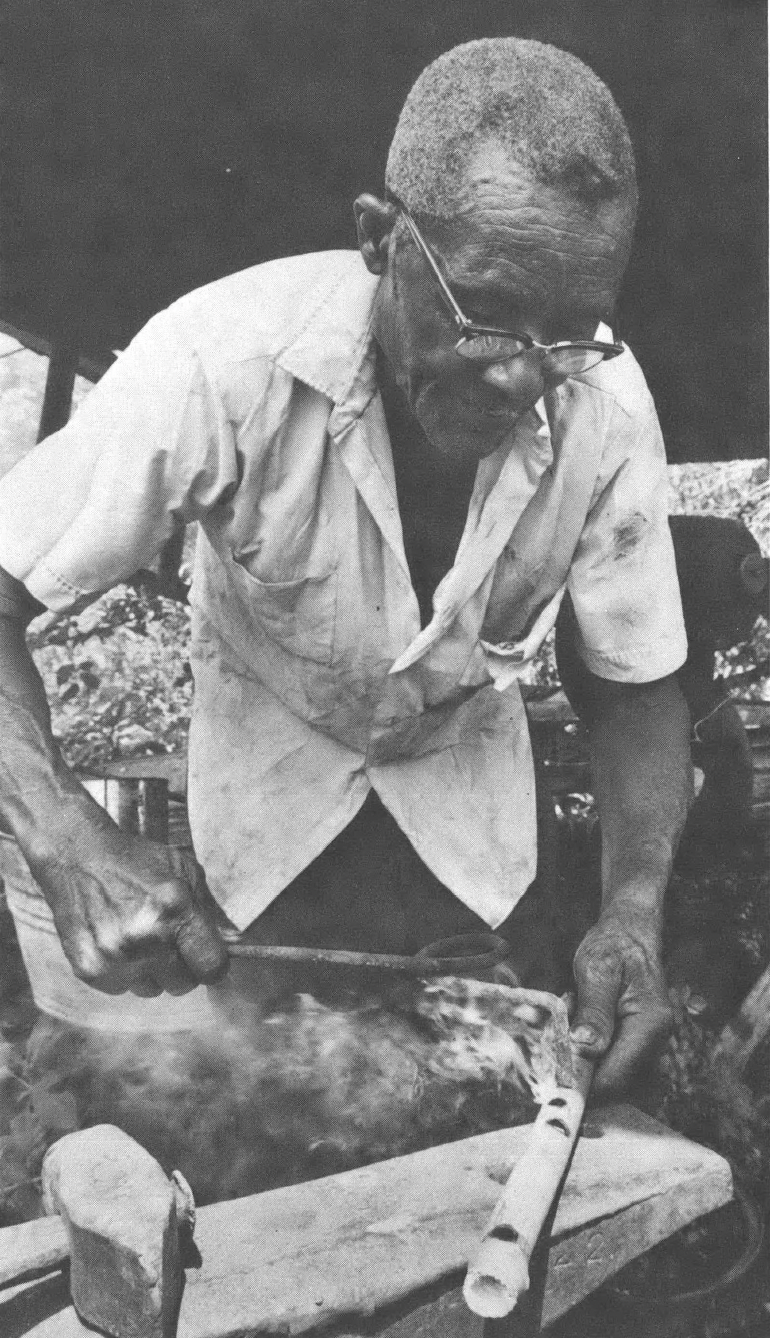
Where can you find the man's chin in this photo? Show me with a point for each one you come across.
(466, 440)
(459, 432)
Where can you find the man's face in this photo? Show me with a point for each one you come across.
(519, 256)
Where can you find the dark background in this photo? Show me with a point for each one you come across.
(149, 146)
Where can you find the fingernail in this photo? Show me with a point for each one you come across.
(583, 1036)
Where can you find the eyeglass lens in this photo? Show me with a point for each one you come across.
(499, 348)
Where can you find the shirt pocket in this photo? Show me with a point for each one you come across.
(299, 615)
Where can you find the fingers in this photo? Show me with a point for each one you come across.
(198, 941)
(88, 963)
(623, 1013)
(146, 986)
(157, 931)
(177, 978)
(182, 947)
(146, 973)
(639, 1035)
(162, 972)
(113, 972)
(201, 949)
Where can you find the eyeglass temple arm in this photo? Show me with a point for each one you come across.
(461, 321)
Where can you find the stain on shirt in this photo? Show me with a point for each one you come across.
(628, 534)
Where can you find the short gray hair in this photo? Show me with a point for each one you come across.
(551, 114)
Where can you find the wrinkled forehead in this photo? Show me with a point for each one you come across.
(518, 234)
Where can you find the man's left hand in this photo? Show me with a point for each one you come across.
(623, 1011)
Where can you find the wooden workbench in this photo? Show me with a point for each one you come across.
(381, 1250)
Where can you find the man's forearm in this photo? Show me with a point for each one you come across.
(41, 801)
(643, 785)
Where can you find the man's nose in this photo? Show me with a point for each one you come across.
(520, 377)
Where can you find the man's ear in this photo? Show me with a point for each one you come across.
(374, 223)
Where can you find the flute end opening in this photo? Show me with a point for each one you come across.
(492, 1289)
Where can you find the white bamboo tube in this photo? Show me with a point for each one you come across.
(499, 1273)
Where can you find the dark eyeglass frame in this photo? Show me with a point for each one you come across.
(469, 331)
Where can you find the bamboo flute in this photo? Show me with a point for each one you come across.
(499, 1273)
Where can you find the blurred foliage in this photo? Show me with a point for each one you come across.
(739, 489)
(699, 1102)
(149, 148)
(717, 943)
(33, 1114)
(117, 676)
(745, 669)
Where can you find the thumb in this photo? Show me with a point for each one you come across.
(598, 988)
(198, 941)
(201, 948)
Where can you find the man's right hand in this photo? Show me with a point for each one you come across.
(133, 914)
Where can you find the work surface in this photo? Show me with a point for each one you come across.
(393, 1238)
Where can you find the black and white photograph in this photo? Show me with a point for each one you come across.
(384, 669)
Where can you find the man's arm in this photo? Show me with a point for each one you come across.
(131, 914)
(642, 776)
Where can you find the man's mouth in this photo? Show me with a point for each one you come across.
(506, 412)
(471, 415)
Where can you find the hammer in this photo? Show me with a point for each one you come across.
(120, 1225)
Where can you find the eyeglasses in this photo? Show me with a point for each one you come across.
(485, 343)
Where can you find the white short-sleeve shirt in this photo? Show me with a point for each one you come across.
(251, 405)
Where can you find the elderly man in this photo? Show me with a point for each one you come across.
(399, 459)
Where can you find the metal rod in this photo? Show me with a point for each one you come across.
(412, 966)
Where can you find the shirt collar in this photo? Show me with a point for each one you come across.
(332, 350)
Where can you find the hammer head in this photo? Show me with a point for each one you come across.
(120, 1212)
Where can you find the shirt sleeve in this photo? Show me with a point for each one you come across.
(149, 446)
(623, 581)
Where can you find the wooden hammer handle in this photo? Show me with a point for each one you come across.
(499, 1273)
(32, 1249)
